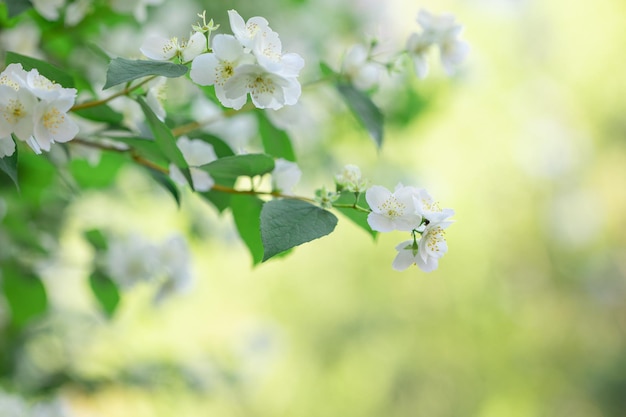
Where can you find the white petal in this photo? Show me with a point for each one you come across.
(375, 196)
(227, 48)
(202, 181)
(403, 260)
(158, 48)
(7, 146)
(429, 265)
(195, 46)
(380, 223)
(204, 69)
(177, 176)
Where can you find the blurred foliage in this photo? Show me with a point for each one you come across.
(526, 317)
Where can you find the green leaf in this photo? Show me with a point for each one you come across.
(8, 165)
(220, 147)
(47, 70)
(326, 70)
(289, 223)
(248, 165)
(247, 214)
(123, 70)
(102, 113)
(167, 183)
(96, 239)
(276, 142)
(144, 147)
(25, 294)
(105, 290)
(98, 176)
(165, 140)
(358, 217)
(15, 7)
(367, 113)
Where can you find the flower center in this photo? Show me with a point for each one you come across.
(260, 85)
(14, 111)
(4, 80)
(392, 208)
(434, 238)
(53, 119)
(224, 72)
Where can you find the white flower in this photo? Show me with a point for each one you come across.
(429, 208)
(218, 67)
(443, 31)
(426, 252)
(132, 260)
(52, 124)
(76, 11)
(24, 38)
(349, 179)
(267, 90)
(14, 76)
(417, 47)
(357, 65)
(16, 111)
(196, 153)
(392, 211)
(159, 48)
(246, 32)
(285, 176)
(7, 146)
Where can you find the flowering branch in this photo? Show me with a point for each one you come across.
(124, 92)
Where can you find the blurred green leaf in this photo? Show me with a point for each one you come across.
(101, 113)
(100, 175)
(25, 294)
(144, 147)
(366, 112)
(123, 70)
(47, 70)
(167, 183)
(105, 290)
(247, 214)
(289, 223)
(8, 165)
(276, 142)
(358, 217)
(165, 140)
(248, 165)
(15, 7)
(96, 239)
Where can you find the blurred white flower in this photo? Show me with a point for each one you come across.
(138, 8)
(392, 211)
(285, 176)
(175, 263)
(246, 32)
(76, 11)
(350, 179)
(24, 38)
(358, 66)
(132, 260)
(196, 153)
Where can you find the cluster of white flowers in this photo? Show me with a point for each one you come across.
(74, 11)
(410, 209)
(350, 179)
(134, 259)
(441, 31)
(33, 109)
(250, 61)
(358, 66)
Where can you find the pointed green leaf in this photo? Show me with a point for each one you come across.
(358, 217)
(25, 294)
(101, 113)
(15, 7)
(123, 70)
(105, 290)
(47, 70)
(368, 114)
(276, 142)
(247, 214)
(8, 165)
(165, 140)
(248, 165)
(288, 223)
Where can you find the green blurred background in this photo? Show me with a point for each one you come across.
(525, 316)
